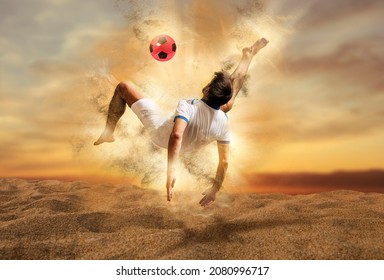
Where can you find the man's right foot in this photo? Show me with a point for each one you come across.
(105, 137)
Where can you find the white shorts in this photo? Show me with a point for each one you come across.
(148, 113)
(153, 120)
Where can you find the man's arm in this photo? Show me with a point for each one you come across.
(238, 76)
(222, 167)
(174, 146)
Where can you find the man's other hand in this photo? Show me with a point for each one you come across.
(209, 197)
(170, 185)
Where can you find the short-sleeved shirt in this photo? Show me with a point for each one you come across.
(205, 124)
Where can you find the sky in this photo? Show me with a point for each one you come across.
(313, 101)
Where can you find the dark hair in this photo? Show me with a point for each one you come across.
(219, 89)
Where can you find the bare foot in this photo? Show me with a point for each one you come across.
(104, 137)
(261, 43)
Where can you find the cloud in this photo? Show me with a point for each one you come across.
(340, 93)
(304, 183)
(10, 53)
(53, 68)
(335, 24)
(330, 12)
(357, 59)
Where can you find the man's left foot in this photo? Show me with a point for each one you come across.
(261, 43)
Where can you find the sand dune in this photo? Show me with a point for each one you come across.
(76, 220)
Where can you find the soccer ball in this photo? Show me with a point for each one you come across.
(162, 47)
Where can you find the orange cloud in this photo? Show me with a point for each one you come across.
(304, 183)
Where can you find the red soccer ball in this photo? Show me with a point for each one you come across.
(162, 47)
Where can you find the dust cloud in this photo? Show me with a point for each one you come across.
(209, 37)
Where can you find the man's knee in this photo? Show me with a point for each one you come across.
(124, 87)
(129, 92)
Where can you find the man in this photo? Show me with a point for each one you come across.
(195, 123)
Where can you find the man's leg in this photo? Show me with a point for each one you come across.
(238, 76)
(125, 94)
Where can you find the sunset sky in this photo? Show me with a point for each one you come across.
(313, 102)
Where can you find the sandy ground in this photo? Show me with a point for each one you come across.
(76, 220)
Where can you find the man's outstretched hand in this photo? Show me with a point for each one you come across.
(209, 197)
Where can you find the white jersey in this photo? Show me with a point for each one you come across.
(205, 125)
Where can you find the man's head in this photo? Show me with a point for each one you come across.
(219, 91)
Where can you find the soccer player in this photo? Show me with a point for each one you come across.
(195, 123)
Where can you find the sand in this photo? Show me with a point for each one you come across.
(49, 219)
